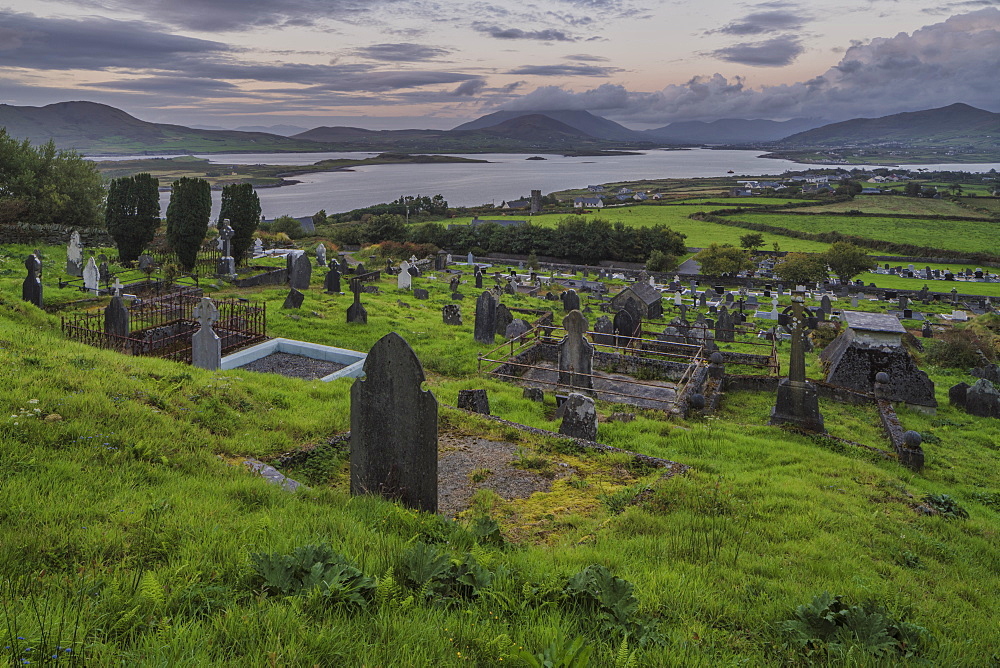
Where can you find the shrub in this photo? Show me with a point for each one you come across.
(962, 348)
(288, 225)
(314, 567)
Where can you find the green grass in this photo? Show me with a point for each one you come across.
(133, 499)
(959, 235)
(901, 205)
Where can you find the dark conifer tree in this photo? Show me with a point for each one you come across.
(132, 213)
(187, 218)
(241, 206)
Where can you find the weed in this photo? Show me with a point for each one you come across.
(945, 506)
(316, 570)
(479, 475)
(610, 600)
(560, 653)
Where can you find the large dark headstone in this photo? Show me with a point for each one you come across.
(420, 293)
(31, 288)
(394, 428)
(990, 372)
(983, 399)
(479, 279)
(604, 331)
(957, 394)
(486, 318)
(725, 327)
(504, 318)
(516, 328)
(476, 401)
(116, 317)
(451, 314)
(576, 354)
(331, 283)
(579, 417)
(294, 298)
(299, 270)
(356, 312)
(571, 301)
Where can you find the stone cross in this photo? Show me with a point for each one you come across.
(394, 448)
(31, 288)
(356, 312)
(797, 402)
(258, 247)
(576, 354)
(403, 278)
(206, 346)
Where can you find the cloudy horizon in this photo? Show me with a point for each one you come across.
(386, 64)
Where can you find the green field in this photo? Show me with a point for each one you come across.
(969, 236)
(900, 205)
(124, 505)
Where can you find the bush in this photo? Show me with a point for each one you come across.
(660, 261)
(961, 348)
(287, 225)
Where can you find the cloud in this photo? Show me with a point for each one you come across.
(760, 23)
(774, 52)
(470, 87)
(174, 86)
(548, 35)
(93, 43)
(937, 65)
(402, 52)
(565, 70)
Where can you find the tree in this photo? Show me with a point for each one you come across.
(660, 261)
(132, 213)
(241, 206)
(802, 268)
(911, 189)
(44, 185)
(319, 218)
(288, 225)
(720, 260)
(847, 260)
(752, 241)
(188, 213)
(385, 227)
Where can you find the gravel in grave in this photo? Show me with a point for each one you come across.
(458, 456)
(294, 366)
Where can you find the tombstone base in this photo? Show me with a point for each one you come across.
(357, 313)
(797, 404)
(226, 266)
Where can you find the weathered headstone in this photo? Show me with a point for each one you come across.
(451, 314)
(957, 394)
(300, 270)
(31, 288)
(91, 276)
(486, 318)
(534, 394)
(725, 327)
(576, 354)
(504, 318)
(516, 328)
(990, 372)
(294, 299)
(104, 272)
(454, 283)
(604, 331)
(258, 247)
(116, 318)
(356, 312)
(146, 263)
(394, 450)
(206, 347)
(476, 401)
(579, 417)
(420, 293)
(571, 301)
(226, 265)
(74, 255)
(321, 254)
(331, 283)
(470, 258)
(797, 401)
(983, 399)
(479, 279)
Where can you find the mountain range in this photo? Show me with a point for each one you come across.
(93, 128)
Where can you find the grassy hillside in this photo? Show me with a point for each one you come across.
(124, 506)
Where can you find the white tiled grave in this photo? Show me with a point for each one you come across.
(353, 359)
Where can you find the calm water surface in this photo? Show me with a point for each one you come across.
(504, 177)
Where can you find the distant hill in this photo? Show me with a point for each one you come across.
(95, 128)
(730, 131)
(958, 125)
(584, 121)
(535, 127)
(282, 130)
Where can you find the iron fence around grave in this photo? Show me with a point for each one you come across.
(163, 326)
(688, 356)
(761, 355)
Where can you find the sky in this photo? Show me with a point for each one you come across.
(419, 63)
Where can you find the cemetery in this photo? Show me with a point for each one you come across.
(468, 433)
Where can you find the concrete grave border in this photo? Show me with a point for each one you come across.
(354, 360)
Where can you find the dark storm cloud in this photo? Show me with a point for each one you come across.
(92, 43)
(775, 52)
(548, 35)
(761, 23)
(565, 70)
(403, 52)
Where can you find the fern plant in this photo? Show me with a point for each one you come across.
(317, 569)
(565, 653)
(436, 575)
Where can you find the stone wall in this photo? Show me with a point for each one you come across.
(273, 277)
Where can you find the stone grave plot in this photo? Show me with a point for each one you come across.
(298, 359)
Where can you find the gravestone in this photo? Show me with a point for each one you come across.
(321, 254)
(299, 270)
(294, 299)
(403, 279)
(534, 394)
(470, 258)
(331, 283)
(486, 318)
(439, 261)
(116, 317)
(91, 276)
(604, 331)
(146, 263)
(344, 266)
(516, 328)
(258, 247)
(394, 450)
(31, 288)
(360, 269)
(104, 271)
(226, 265)
(725, 327)
(356, 313)
(457, 296)
(576, 354)
(957, 394)
(206, 346)
(476, 401)
(990, 372)
(797, 402)
(826, 304)
(926, 331)
(479, 279)
(579, 417)
(451, 314)
(983, 399)
(625, 327)
(420, 293)
(503, 319)
(454, 283)
(74, 255)
(571, 301)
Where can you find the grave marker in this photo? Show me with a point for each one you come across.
(31, 288)
(576, 354)
(206, 346)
